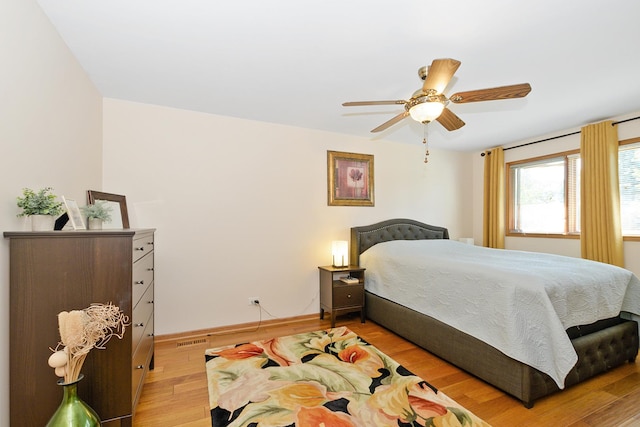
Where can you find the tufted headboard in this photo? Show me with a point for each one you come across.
(362, 238)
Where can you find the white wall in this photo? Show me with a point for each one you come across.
(50, 134)
(241, 209)
(567, 247)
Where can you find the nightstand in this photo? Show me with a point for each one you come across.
(337, 296)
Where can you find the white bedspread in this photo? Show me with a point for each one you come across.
(518, 302)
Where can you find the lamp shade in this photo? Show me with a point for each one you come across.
(426, 111)
(340, 253)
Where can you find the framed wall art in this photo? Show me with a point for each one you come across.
(350, 179)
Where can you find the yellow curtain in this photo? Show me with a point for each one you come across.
(600, 228)
(493, 210)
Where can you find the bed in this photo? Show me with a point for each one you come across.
(597, 346)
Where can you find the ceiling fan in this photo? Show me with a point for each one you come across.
(429, 103)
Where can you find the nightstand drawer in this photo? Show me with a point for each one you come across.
(348, 296)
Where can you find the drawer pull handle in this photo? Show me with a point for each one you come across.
(141, 248)
(150, 269)
(149, 243)
(140, 367)
(138, 325)
(349, 296)
(139, 282)
(150, 335)
(150, 302)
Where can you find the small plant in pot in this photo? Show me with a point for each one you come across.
(97, 213)
(40, 206)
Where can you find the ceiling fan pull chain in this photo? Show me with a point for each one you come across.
(426, 145)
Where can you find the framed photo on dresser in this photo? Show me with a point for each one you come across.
(117, 203)
(73, 211)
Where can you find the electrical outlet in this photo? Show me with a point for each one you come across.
(254, 301)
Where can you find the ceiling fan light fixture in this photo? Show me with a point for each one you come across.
(429, 103)
(427, 111)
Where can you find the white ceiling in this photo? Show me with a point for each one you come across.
(294, 62)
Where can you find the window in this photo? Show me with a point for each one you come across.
(543, 194)
(629, 172)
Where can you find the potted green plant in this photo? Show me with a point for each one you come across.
(40, 206)
(97, 213)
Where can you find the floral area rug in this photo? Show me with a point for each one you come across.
(329, 378)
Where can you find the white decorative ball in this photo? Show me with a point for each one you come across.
(58, 359)
(61, 371)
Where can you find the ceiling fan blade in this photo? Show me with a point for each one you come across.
(450, 120)
(502, 92)
(391, 122)
(440, 73)
(360, 103)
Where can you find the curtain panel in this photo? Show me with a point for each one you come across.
(600, 225)
(493, 207)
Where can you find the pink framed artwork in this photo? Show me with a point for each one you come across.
(350, 179)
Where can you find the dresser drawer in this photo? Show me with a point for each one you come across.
(141, 318)
(348, 296)
(142, 277)
(140, 361)
(142, 245)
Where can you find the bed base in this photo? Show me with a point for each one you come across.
(598, 349)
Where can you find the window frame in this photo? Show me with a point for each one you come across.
(636, 140)
(510, 205)
(510, 222)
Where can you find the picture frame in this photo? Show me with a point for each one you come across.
(118, 202)
(74, 214)
(350, 179)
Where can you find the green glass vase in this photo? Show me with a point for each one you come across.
(73, 411)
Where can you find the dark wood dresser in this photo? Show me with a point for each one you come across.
(58, 271)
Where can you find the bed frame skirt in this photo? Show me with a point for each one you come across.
(601, 347)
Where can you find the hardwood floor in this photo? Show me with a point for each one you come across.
(175, 393)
